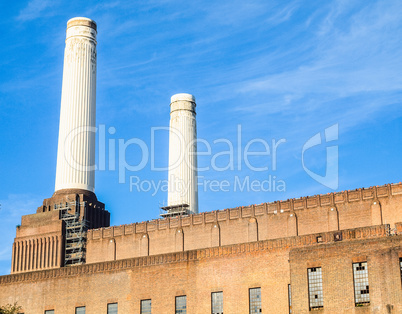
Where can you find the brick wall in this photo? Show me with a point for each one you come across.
(335, 260)
(233, 269)
(307, 215)
(40, 239)
(38, 243)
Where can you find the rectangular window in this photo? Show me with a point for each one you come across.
(49, 312)
(145, 306)
(181, 304)
(400, 264)
(255, 300)
(315, 295)
(290, 299)
(112, 308)
(80, 310)
(360, 277)
(217, 302)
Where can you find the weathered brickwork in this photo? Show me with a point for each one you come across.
(320, 213)
(335, 260)
(39, 243)
(233, 269)
(269, 246)
(40, 239)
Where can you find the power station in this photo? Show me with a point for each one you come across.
(334, 253)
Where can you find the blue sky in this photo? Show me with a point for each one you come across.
(278, 69)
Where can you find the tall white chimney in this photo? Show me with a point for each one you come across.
(182, 188)
(76, 147)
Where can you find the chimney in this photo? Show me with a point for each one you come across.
(182, 188)
(62, 222)
(76, 147)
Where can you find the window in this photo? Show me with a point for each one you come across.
(80, 310)
(290, 299)
(217, 302)
(112, 308)
(49, 312)
(181, 304)
(400, 264)
(360, 277)
(315, 295)
(145, 306)
(255, 300)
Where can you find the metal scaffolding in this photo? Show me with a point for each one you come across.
(175, 210)
(76, 231)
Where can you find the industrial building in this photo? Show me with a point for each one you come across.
(334, 253)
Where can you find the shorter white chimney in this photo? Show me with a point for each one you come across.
(183, 153)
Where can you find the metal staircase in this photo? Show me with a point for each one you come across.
(76, 231)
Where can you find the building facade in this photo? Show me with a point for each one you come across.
(334, 253)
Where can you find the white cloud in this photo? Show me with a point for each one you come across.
(356, 60)
(282, 15)
(33, 10)
(361, 58)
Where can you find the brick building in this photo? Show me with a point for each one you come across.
(334, 253)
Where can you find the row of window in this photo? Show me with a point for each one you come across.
(111, 309)
(181, 304)
(360, 282)
(315, 294)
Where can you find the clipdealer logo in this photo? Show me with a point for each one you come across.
(239, 155)
(331, 177)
